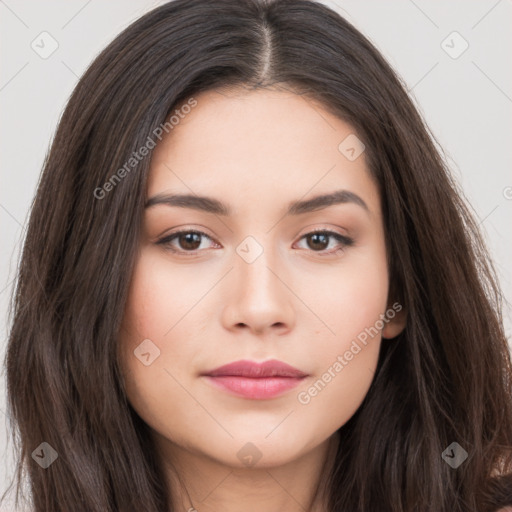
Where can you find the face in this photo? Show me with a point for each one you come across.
(257, 273)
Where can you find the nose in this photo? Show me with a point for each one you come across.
(260, 299)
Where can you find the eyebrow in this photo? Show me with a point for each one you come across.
(211, 205)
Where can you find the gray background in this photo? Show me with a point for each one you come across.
(466, 101)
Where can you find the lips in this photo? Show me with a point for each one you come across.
(250, 369)
(257, 381)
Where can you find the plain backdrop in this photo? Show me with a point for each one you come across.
(454, 56)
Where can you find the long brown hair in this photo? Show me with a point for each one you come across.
(447, 378)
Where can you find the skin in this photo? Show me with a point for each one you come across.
(256, 151)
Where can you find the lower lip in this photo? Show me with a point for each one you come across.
(256, 388)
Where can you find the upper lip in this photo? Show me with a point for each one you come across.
(252, 369)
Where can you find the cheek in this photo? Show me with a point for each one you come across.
(156, 345)
(346, 350)
(161, 295)
(349, 297)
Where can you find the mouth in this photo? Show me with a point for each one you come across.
(256, 381)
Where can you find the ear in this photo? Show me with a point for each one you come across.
(396, 316)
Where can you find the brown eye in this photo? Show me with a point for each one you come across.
(190, 241)
(318, 241)
(186, 241)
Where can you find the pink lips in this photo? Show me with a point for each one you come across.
(258, 381)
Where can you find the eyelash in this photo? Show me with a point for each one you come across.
(344, 240)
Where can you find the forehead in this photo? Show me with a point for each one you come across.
(257, 145)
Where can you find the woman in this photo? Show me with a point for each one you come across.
(250, 282)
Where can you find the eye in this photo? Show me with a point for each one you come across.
(319, 240)
(189, 241)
